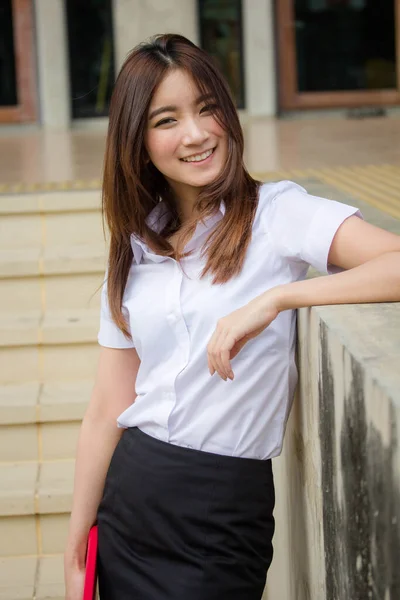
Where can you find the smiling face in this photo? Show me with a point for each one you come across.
(183, 139)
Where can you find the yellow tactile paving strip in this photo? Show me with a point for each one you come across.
(49, 186)
(378, 185)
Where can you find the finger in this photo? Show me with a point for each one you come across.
(210, 353)
(210, 364)
(225, 360)
(228, 345)
(222, 355)
(218, 364)
(213, 350)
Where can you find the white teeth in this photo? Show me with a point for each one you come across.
(198, 157)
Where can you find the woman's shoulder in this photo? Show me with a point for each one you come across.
(269, 191)
(269, 195)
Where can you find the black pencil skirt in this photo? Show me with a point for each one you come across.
(181, 524)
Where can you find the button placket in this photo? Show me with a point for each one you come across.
(178, 327)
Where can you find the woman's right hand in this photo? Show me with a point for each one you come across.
(74, 577)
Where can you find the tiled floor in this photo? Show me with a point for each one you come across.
(271, 145)
(358, 157)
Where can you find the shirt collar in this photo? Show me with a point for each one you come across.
(156, 220)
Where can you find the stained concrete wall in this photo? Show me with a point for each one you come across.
(338, 479)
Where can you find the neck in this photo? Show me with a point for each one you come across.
(185, 198)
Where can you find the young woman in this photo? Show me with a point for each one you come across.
(206, 269)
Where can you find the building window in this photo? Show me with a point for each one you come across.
(344, 45)
(8, 87)
(91, 56)
(221, 36)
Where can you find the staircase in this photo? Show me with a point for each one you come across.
(52, 260)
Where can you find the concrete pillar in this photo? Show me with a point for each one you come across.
(52, 55)
(259, 56)
(136, 20)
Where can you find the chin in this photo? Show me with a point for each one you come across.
(205, 180)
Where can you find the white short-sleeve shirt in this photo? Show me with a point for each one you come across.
(172, 314)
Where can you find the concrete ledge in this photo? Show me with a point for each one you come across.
(338, 479)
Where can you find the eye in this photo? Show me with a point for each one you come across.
(209, 108)
(165, 121)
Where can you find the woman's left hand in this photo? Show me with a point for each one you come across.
(236, 329)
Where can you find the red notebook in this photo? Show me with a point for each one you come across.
(89, 590)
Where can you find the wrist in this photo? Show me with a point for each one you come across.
(275, 297)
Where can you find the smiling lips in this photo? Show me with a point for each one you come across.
(199, 157)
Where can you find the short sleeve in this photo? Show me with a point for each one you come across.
(110, 335)
(303, 226)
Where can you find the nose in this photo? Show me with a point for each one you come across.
(194, 133)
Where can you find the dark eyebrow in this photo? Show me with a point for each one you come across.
(158, 111)
(173, 108)
(204, 97)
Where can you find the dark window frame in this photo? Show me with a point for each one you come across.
(200, 15)
(25, 64)
(290, 98)
(83, 112)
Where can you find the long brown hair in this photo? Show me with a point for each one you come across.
(132, 186)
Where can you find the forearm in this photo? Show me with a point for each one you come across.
(97, 441)
(377, 280)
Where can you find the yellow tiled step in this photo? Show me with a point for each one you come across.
(33, 402)
(39, 230)
(55, 327)
(32, 578)
(46, 441)
(61, 346)
(49, 363)
(21, 535)
(35, 504)
(41, 422)
(52, 292)
(32, 487)
(50, 202)
(56, 260)
(32, 224)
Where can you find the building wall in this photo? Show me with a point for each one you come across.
(52, 63)
(134, 21)
(259, 49)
